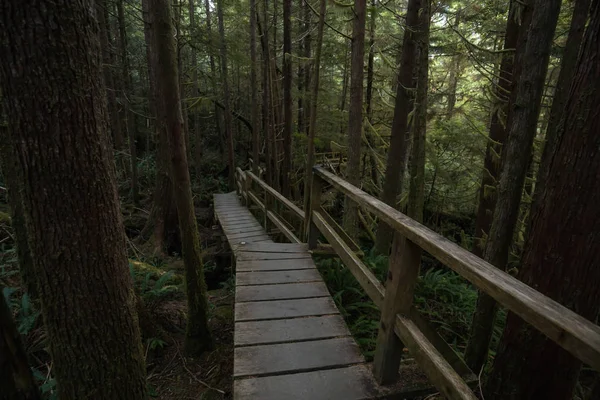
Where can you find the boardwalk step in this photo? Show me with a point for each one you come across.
(289, 330)
(274, 265)
(280, 292)
(290, 357)
(351, 383)
(259, 310)
(271, 277)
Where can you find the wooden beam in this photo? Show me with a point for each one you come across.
(283, 228)
(571, 331)
(278, 196)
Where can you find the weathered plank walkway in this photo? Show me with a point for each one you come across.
(290, 339)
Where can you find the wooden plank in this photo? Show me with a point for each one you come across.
(338, 229)
(255, 311)
(280, 292)
(289, 330)
(272, 256)
(287, 232)
(350, 383)
(568, 329)
(278, 196)
(274, 265)
(403, 271)
(368, 281)
(249, 228)
(295, 357)
(272, 277)
(238, 236)
(274, 248)
(439, 372)
(261, 238)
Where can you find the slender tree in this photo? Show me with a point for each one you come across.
(226, 96)
(63, 153)
(355, 119)
(198, 336)
(560, 257)
(522, 126)
(287, 98)
(213, 72)
(396, 159)
(253, 88)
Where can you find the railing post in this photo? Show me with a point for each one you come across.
(314, 204)
(403, 272)
(245, 187)
(266, 210)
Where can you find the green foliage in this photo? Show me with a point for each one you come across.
(154, 285)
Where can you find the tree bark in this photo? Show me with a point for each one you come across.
(560, 257)
(454, 73)
(521, 126)
(86, 293)
(198, 337)
(396, 159)
(254, 89)
(16, 379)
(287, 98)
(369, 94)
(355, 119)
(416, 194)
(313, 110)
(226, 95)
(213, 72)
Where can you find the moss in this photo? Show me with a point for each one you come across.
(5, 218)
(142, 268)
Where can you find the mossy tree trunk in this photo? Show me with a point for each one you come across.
(198, 336)
(57, 116)
(560, 258)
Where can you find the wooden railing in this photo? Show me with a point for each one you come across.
(400, 323)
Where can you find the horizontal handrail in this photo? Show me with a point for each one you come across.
(278, 196)
(571, 331)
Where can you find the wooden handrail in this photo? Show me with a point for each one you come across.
(278, 196)
(571, 331)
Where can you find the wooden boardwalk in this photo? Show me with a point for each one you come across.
(290, 339)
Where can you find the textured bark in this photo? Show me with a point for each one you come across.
(150, 61)
(369, 94)
(213, 72)
(416, 196)
(57, 117)
(160, 230)
(198, 337)
(313, 109)
(344, 91)
(454, 73)
(226, 95)
(129, 115)
(287, 99)
(267, 104)
(561, 93)
(355, 118)
(522, 124)
(254, 89)
(396, 159)
(16, 379)
(560, 257)
(196, 93)
(11, 174)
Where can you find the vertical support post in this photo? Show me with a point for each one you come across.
(237, 179)
(266, 210)
(402, 276)
(245, 187)
(315, 203)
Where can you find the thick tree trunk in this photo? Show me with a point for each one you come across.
(198, 336)
(416, 194)
(16, 379)
(254, 89)
(521, 127)
(129, 115)
(287, 98)
(560, 257)
(226, 95)
(161, 226)
(355, 119)
(86, 292)
(313, 110)
(561, 93)
(11, 174)
(396, 159)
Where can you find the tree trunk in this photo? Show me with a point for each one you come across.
(267, 104)
(313, 110)
(416, 196)
(11, 174)
(307, 43)
(561, 93)
(560, 257)
(396, 159)
(196, 93)
(355, 119)
(161, 225)
(226, 94)
(254, 90)
(287, 98)
(16, 379)
(152, 106)
(198, 336)
(129, 115)
(369, 135)
(454, 72)
(521, 127)
(86, 292)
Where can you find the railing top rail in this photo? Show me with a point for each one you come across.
(294, 208)
(570, 330)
